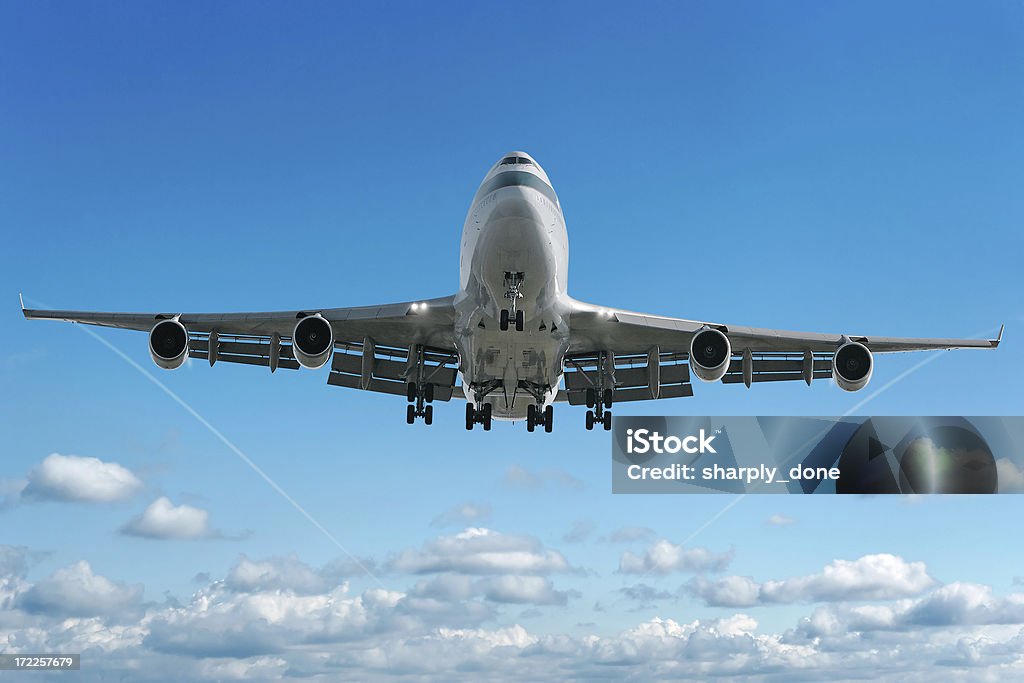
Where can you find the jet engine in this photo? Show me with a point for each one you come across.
(168, 344)
(312, 341)
(710, 353)
(852, 366)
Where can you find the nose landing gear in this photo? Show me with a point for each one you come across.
(513, 292)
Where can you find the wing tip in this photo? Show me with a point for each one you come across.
(999, 337)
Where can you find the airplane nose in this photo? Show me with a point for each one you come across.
(518, 157)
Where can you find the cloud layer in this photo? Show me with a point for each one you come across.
(279, 619)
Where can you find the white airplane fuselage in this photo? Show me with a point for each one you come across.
(514, 226)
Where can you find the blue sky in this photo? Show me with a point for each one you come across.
(805, 166)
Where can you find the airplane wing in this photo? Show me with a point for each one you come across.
(636, 342)
(375, 347)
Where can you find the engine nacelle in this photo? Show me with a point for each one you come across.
(312, 341)
(168, 344)
(852, 366)
(710, 353)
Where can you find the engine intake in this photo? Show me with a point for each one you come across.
(710, 353)
(312, 341)
(168, 344)
(852, 366)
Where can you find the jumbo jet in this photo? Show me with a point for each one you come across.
(511, 342)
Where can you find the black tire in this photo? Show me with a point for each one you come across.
(549, 418)
(428, 393)
(487, 417)
(590, 420)
(428, 415)
(591, 397)
(503, 320)
(410, 414)
(607, 398)
(531, 417)
(410, 392)
(607, 421)
(470, 416)
(520, 321)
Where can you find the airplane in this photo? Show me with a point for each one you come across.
(512, 333)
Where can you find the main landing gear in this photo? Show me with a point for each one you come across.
(419, 396)
(536, 417)
(513, 292)
(482, 416)
(599, 402)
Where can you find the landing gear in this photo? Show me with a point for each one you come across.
(513, 292)
(482, 416)
(536, 417)
(605, 419)
(600, 395)
(420, 393)
(419, 398)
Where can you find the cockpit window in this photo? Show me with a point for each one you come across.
(515, 160)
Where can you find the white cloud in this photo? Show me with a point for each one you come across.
(461, 515)
(780, 520)
(481, 551)
(162, 519)
(728, 591)
(665, 557)
(871, 577)
(80, 479)
(278, 574)
(533, 590)
(75, 591)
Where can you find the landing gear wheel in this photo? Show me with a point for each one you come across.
(590, 420)
(520, 320)
(487, 417)
(428, 393)
(410, 391)
(531, 417)
(591, 397)
(470, 416)
(607, 398)
(549, 415)
(607, 421)
(410, 414)
(503, 320)
(428, 415)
